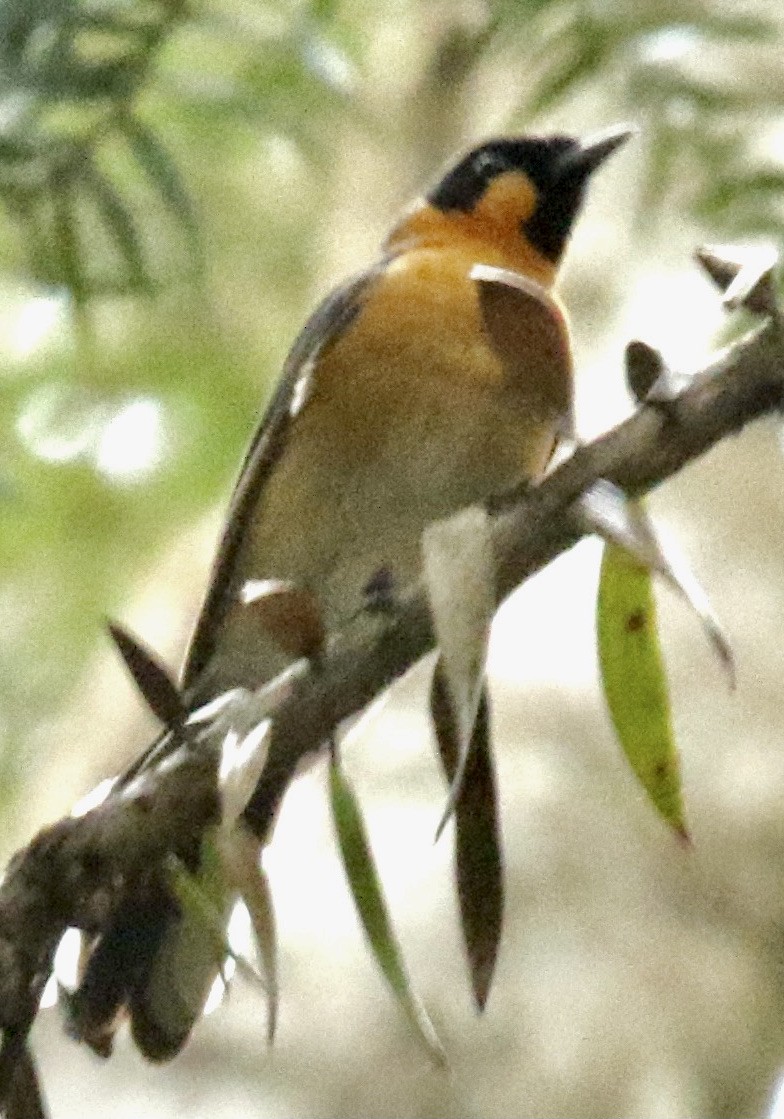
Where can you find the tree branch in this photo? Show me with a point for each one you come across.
(742, 383)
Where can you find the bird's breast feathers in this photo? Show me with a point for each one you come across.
(413, 411)
(432, 394)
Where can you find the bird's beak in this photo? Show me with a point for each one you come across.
(582, 160)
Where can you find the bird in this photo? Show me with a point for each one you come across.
(411, 392)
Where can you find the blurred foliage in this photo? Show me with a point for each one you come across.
(172, 176)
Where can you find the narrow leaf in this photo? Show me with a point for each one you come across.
(737, 25)
(150, 676)
(619, 520)
(67, 257)
(458, 569)
(634, 680)
(119, 222)
(749, 281)
(581, 61)
(192, 953)
(25, 1099)
(243, 758)
(372, 909)
(206, 899)
(164, 175)
(478, 852)
(241, 851)
(754, 286)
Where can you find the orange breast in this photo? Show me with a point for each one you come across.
(418, 359)
(412, 414)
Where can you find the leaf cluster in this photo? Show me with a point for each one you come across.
(76, 157)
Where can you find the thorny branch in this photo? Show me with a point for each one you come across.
(75, 872)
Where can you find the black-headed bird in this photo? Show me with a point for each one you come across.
(405, 397)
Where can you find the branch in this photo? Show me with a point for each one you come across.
(742, 383)
(77, 872)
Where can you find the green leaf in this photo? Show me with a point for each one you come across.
(729, 189)
(193, 949)
(324, 10)
(478, 854)
(163, 173)
(206, 899)
(635, 683)
(372, 909)
(68, 263)
(119, 222)
(737, 25)
(582, 62)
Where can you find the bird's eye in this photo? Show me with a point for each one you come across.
(489, 164)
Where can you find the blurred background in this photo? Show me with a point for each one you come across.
(179, 183)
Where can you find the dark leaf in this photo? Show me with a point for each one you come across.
(720, 269)
(24, 1099)
(478, 851)
(644, 365)
(150, 676)
(119, 222)
(748, 281)
(649, 378)
(164, 175)
(69, 266)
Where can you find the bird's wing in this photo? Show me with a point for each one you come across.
(326, 324)
(528, 330)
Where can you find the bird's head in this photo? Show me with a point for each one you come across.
(522, 194)
(537, 183)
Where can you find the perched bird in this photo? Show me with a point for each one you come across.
(397, 406)
(408, 394)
